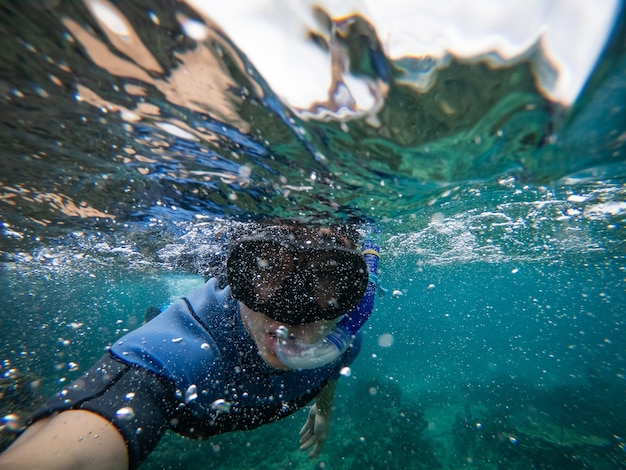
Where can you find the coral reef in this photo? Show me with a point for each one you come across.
(514, 425)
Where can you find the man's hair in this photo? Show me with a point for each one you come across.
(348, 232)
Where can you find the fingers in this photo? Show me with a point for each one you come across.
(308, 426)
(307, 437)
(306, 443)
(316, 451)
(312, 442)
(310, 437)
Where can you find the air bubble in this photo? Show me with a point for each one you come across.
(385, 340)
(191, 393)
(194, 29)
(11, 422)
(125, 413)
(221, 405)
(154, 18)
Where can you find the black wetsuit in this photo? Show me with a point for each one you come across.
(193, 369)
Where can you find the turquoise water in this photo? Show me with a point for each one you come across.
(500, 213)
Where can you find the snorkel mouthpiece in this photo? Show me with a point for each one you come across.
(298, 355)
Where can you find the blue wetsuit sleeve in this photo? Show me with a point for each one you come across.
(349, 357)
(357, 317)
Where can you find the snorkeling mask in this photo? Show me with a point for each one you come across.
(296, 276)
(298, 355)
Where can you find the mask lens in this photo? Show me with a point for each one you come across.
(337, 274)
(295, 284)
(269, 264)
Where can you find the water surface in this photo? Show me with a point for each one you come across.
(135, 136)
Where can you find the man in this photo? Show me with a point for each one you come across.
(218, 360)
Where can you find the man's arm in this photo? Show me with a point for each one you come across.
(315, 430)
(73, 439)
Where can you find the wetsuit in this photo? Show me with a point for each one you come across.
(193, 369)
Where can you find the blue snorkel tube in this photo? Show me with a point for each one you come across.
(298, 355)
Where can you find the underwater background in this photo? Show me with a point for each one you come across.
(488, 163)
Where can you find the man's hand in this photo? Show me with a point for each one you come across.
(314, 432)
(70, 439)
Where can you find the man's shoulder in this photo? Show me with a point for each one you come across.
(180, 342)
(210, 299)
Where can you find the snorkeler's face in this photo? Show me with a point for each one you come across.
(263, 330)
(297, 276)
